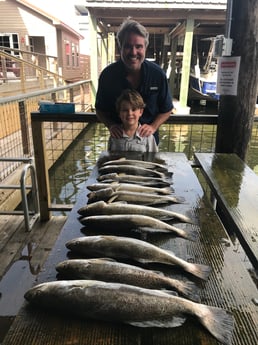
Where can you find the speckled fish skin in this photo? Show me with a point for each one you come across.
(127, 178)
(133, 170)
(140, 163)
(130, 187)
(101, 208)
(109, 195)
(117, 272)
(140, 307)
(127, 222)
(120, 247)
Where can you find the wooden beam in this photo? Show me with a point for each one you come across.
(186, 63)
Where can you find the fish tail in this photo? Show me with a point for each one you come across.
(198, 270)
(189, 290)
(218, 322)
(191, 235)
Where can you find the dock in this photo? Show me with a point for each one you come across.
(229, 285)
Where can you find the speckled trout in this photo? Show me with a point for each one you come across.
(120, 247)
(140, 307)
(139, 163)
(101, 208)
(130, 187)
(108, 195)
(109, 270)
(127, 222)
(128, 178)
(133, 170)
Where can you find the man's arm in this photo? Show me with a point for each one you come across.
(148, 129)
(114, 128)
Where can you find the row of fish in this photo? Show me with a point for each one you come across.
(104, 287)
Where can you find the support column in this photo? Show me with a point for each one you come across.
(93, 54)
(188, 42)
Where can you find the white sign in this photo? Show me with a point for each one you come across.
(227, 79)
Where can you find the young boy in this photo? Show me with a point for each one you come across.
(130, 106)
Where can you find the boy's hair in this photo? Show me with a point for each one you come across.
(131, 96)
(131, 26)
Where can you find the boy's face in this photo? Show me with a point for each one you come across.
(128, 114)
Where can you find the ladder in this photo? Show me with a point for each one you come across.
(30, 216)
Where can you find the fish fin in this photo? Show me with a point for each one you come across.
(110, 200)
(198, 270)
(170, 323)
(170, 292)
(189, 290)
(108, 259)
(166, 190)
(218, 322)
(191, 235)
(166, 218)
(178, 199)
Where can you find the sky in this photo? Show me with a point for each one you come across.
(62, 9)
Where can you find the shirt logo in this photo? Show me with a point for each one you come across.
(153, 88)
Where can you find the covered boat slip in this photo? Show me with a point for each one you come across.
(229, 285)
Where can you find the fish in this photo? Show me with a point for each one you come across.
(101, 208)
(130, 187)
(127, 178)
(139, 163)
(132, 170)
(127, 222)
(120, 247)
(133, 305)
(112, 271)
(109, 196)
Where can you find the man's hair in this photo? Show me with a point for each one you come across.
(131, 96)
(131, 26)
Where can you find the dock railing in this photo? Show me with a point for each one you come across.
(41, 152)
(16, 134)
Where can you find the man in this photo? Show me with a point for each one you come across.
(135, 72)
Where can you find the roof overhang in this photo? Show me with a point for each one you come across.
(160, 16)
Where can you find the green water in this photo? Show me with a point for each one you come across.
(69, 174)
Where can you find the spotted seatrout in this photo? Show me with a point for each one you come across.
(139, 163)
(126, 222)
(128, 178)
(130, 187)
(133, 170)
(140, 307)
(108, 195)
(101, 208)
(109, 270)
(119, 247)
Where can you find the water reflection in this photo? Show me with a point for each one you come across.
(68, 176)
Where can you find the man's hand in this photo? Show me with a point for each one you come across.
(116, 131)
(146, 130)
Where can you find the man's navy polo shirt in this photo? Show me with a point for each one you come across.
(154, 90)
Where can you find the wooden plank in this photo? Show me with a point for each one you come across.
(213, 247)
(235, 186)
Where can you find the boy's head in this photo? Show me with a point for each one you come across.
(130, 106)
(132, 97)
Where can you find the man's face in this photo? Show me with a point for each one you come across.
(133, 52)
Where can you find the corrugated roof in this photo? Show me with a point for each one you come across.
(176, 4)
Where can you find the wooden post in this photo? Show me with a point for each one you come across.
(172, 77)
(236, 112)
(94, 53)
(41, 169)
(186, 62)
(24, 128)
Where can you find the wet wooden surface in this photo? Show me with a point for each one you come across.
(229, 285)
(235, 186)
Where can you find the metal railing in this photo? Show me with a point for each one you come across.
(30, 216)
(16, 134)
